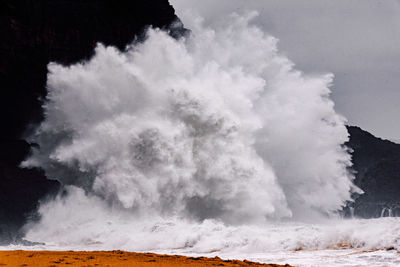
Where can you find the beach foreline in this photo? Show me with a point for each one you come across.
(112, 258)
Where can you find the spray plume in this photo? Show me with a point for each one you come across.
(217, 127)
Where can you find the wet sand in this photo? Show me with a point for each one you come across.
(110, 258)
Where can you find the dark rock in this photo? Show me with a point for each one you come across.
(377, 171)
(20, 191)
(35, 33)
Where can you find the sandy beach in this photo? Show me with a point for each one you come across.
(110, 258)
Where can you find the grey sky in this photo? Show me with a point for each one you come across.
(357, 40)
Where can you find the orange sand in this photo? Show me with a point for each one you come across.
(109, 258)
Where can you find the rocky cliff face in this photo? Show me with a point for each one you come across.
(35, 33)
(377, 170)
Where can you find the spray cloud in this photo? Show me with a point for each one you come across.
(216, 126)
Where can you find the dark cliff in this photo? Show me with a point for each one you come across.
(377, 170)
(35, 32)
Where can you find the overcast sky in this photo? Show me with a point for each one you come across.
(357, 40)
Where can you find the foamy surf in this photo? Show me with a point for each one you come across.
(357, 242)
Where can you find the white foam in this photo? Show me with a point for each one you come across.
(331, 243)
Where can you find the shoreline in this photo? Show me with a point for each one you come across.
(112, 258)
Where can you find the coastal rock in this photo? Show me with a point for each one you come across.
(377, 171)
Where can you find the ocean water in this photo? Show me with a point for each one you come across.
(214, 144)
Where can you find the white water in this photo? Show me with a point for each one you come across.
(210, 144)
(330, 243)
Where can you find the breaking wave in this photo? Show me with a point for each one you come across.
(172, 142)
